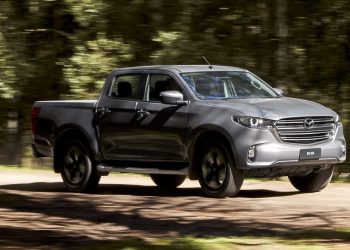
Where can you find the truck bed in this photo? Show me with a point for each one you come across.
(53, 116)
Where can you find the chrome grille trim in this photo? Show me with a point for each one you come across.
(294, 130)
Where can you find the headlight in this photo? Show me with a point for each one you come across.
(337, 119)
(255, 122)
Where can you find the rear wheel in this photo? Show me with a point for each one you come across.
(313, 182)
(218, 176)
(78, 169)
(168, 181)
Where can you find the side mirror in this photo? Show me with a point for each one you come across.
(172, 97)
(278, 91)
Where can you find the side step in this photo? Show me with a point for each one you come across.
(103, 169)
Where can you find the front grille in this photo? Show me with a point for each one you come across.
(306, 130)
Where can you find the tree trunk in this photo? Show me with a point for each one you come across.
(281, 33)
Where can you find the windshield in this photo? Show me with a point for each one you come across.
(227, 84)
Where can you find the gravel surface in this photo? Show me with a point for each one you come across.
(37, 212)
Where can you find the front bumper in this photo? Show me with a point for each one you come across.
(271, 151)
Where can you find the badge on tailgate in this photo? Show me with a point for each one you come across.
(310, 154)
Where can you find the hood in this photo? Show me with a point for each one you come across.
(275, 108)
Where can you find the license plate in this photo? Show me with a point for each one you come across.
(310, 154)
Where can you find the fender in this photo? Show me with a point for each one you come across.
(92, 139)
(201, 132)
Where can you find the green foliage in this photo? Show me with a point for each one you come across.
(87, 12)
(8, 71)
(87, 69)
(308, 240)
(172, 45)
(177, 47)
(64, 49)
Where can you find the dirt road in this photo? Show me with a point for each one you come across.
(37, 212)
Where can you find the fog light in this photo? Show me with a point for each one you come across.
(330, 134)
(251, 154)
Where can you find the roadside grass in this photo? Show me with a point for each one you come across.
(23, 168)
(266, 179)
(344, 178)
(28, 168)
(315, 239)
(50, 169)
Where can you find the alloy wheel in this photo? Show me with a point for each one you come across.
(214, 168)
(75, 165)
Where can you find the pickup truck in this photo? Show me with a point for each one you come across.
(214, 124)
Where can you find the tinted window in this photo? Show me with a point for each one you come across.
(158, 84)
(126, 86)
(235, 84)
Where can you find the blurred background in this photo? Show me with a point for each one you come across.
(64, 49)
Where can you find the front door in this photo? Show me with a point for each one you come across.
(161, 128)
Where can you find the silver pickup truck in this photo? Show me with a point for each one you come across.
(214, 124)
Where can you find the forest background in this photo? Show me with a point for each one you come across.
(65, 49)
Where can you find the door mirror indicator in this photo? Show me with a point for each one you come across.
(172, 97)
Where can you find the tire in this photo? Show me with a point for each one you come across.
(78, 168)
(313, 182)
(168, 181)
(218, 175)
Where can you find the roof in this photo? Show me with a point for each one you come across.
(184, 68)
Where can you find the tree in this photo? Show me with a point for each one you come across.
(87, 69)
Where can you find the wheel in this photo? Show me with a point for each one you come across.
(78, 169)
(313, 182)
(218, 176)
(168, 181)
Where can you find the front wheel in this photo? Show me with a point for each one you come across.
(218, 176)
(313, 182)
(78, 171)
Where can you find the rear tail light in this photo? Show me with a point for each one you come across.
(35, 116)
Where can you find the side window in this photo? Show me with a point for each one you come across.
(126, 86)
(159, 83)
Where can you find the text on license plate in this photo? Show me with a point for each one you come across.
(310, 154)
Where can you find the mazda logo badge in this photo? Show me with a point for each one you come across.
(308, 123)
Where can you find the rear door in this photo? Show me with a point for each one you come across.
(116, 116)
(161, 128)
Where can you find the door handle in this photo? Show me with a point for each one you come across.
(101, 111)
(143, 112)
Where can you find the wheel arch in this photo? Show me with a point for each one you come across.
(204, 134)
(70, 132)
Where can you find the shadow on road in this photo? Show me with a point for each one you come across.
(117, 211)
(139, 190)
